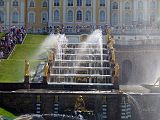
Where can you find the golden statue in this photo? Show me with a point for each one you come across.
(50, 56)
(109, 31)
(107, 37)
(113, 56)
(104, 100)
(111, 42)
(58, 30)
(53, 55)
(79, 105)
(46, 69)
(116, 69)
(26, 68)
(56, 99)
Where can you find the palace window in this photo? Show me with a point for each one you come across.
(45, 4)
(31, 18)
(56, 15)
(153, 5)
(15, 17)
(127, 5)
(70, 16)
(79, 2)
(79, 15)
(1, 16)
(1, 2)
(88, 16)
(70, 2)
(127, 19)
(140, 17)
(140, 5)
(31, 4)
(88, 2)
(114, 19)
(102, 2)
(102, 16)
(115, 5)
(56, 3)
(15, 3)
(152, 18)
(44, 17)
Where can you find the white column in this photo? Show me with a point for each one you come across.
(8, 14)
(50, 13)
(94, 12)
(134, 10)
(145, 10)
(121, 14)
(64, 11)
(148, 11)
(22, 13)
(109, 12)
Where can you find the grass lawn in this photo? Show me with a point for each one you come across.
(1, 34)
(34, 39)
(12, 70)
(6, 114)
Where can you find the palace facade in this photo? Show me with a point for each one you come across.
(37, 14)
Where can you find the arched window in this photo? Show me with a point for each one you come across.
(115, 5)
(56, 16)
(31, 4)
(79, 2)
(31, 18)
(1, 2)
(15, 3)
(70, 2)
(114, 19)
(1, 16)
(152, 18)
(126, 71)
(45, 4)
(140, 17)
(102, 16)
(88, 16)
(70, 16)
(102, 2)
(79, 15)
(127, 19)
(44, 17)
(140, 5)
(88, 2)
(153, 5)
(15, 17)
(56, 3)
(127, 5)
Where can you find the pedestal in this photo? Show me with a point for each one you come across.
(44, 82)
(26, 82)
(116, 83)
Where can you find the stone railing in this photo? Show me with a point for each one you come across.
(150, 42)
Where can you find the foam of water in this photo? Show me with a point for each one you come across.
(52, 41)
(135, 105)
(95, 42)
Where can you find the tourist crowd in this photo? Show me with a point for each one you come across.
(12, 37)
(85, 29)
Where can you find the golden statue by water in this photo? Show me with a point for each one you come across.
(111, 42)
(116, 69)
(26, 68)
(113, 56)
(46, 69)
(50, 57)
(110, 39)
(79, 105)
